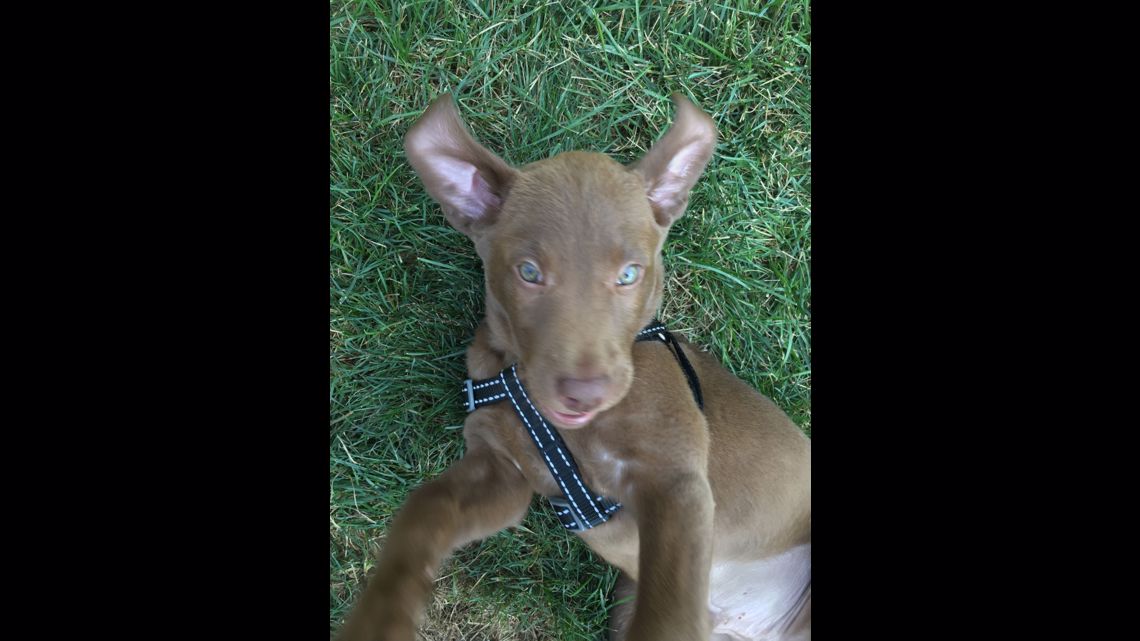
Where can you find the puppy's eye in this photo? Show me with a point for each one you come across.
(629, 275)
(530, 273)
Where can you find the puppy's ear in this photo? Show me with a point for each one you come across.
(468, 181)
(671, 167)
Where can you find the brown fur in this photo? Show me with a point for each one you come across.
(730, 486)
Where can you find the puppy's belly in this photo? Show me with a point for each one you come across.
(756, 600)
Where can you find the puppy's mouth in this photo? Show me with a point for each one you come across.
(569, 419)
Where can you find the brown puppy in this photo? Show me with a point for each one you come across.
(714, 538)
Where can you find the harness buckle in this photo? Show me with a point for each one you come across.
(562, 504)
(470, 396)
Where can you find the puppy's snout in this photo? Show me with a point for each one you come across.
(582, 394)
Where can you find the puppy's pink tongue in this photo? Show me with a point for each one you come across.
(573, 418)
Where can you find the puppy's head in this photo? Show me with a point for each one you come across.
(571, 248)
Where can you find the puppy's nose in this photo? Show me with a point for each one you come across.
(582, 394)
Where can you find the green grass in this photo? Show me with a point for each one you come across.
(405, 294)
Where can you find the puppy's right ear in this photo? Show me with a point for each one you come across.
(467, 181)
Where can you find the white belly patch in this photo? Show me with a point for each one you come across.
(756, 600)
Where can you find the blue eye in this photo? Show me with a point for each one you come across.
(530, 273)
(629, 275)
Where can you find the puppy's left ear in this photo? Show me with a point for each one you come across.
(672, 166)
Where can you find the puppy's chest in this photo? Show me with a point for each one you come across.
(602, 463)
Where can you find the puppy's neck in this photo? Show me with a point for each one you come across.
(493, 348)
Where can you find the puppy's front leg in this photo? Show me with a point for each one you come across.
(675, 525)
(477, 496)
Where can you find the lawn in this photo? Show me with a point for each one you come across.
(533, 79)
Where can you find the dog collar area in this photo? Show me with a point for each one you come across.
(579, 507)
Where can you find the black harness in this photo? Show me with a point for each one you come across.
(579, 507)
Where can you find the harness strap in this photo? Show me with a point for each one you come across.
(657, 332)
